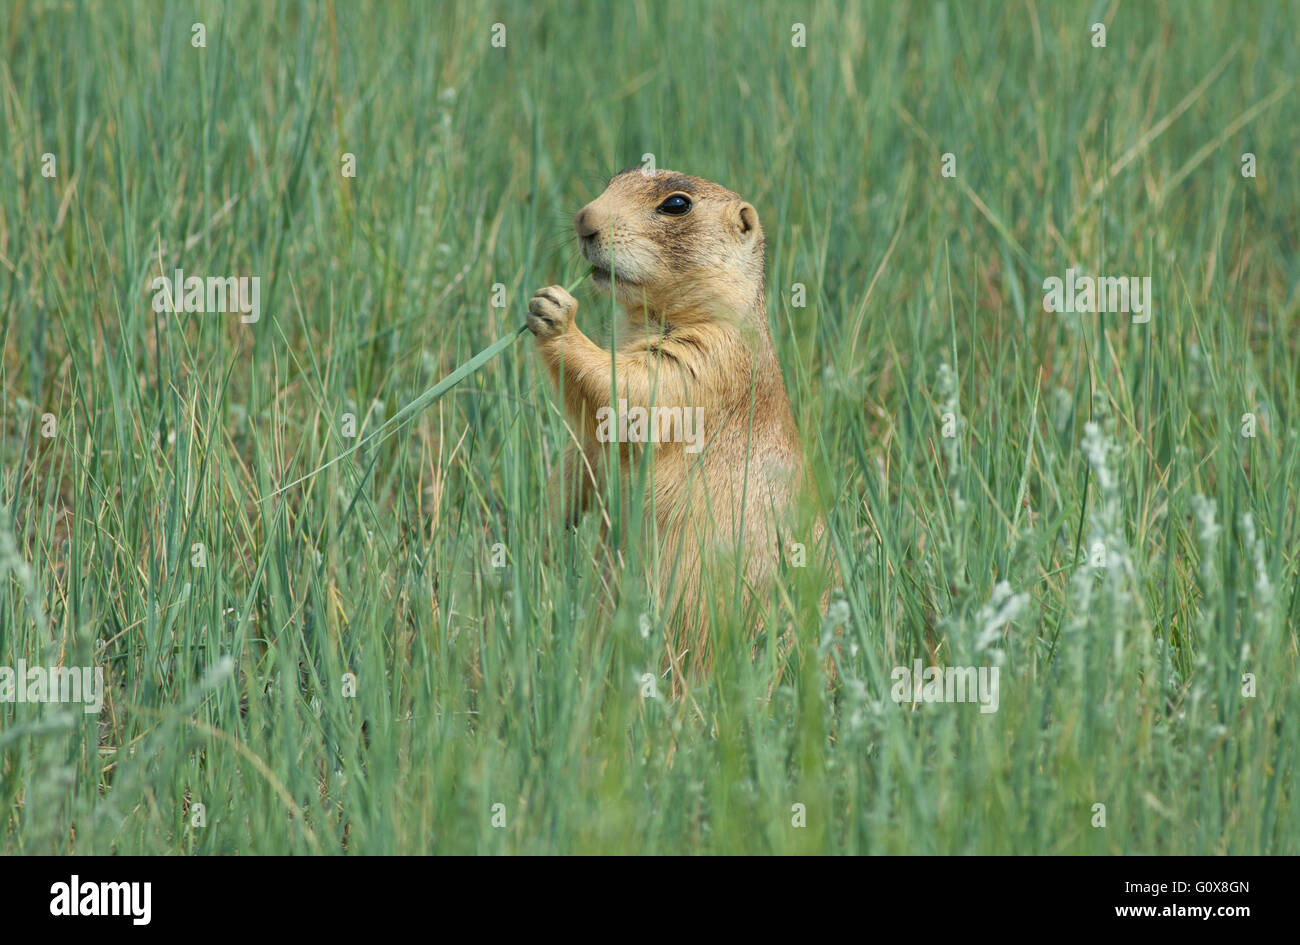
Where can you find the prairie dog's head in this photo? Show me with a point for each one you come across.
(679, 246)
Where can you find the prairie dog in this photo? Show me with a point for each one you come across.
(684, 260)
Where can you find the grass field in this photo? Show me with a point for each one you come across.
(342, 667)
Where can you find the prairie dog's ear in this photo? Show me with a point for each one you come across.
(747, 222)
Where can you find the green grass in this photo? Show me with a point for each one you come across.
(476, 686)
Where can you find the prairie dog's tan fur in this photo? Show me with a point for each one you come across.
(695, 335)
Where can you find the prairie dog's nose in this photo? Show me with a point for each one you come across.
(584, 223)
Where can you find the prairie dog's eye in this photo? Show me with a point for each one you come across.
(675, 205)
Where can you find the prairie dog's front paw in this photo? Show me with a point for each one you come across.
(550, 312)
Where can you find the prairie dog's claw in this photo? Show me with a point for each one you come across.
(550, 312)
